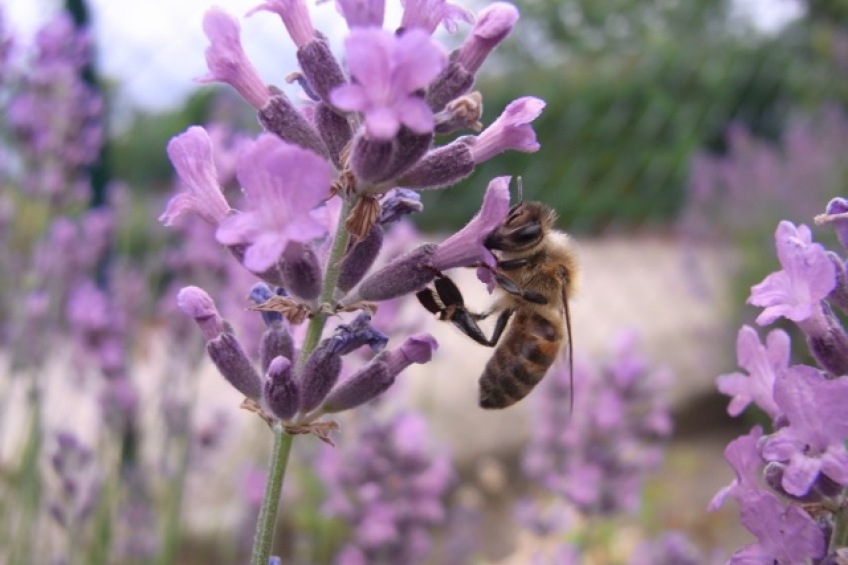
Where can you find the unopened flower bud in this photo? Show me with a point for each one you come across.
(398, 203)
(443, 166)
(378, 375)
(320, 67)
(319, 375)
(196, 303)
(301, 270)
(380, 160)
(359, 259)
(839, 294)
(409, 273)
(275, 342)
(828, 343)
(334, 129)
(452, 82)
(232, 362)
(280, 392)
(493, 24)
(279, 116)
(350, 337)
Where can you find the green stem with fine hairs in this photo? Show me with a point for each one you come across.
(839, 537)
(263, 540)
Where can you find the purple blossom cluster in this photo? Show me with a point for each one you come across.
(791, 483)
(389, 487)
(598, 456)
(326, 179)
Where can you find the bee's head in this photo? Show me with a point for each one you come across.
(524, 227)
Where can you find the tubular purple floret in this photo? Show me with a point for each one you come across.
(198, 305)
(334, 129)
(301, 270)
(232, 362)
(295, 16)
(451, 83)
(319, 375)
(359, 258)
(441, 167)
(280, 391)
(275, 342)
(359, 13)
(510, 131)
(364, 385)
(493, 24)
(827, 341)
(839, 294)
(279, 116)
(409, 273)
(320, 67)
(379, 161)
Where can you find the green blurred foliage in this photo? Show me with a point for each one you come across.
(629, 103)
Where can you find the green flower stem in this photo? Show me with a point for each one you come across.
(263, 540)
(839, 537)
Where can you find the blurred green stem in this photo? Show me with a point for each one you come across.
(839, 537)
(263, 540)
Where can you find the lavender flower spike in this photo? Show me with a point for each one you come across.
(283, 184)
(227, 60)
(807, 277)
(465, 248)
(428, 14)
(362, 13)
(373, 379)
(389, 71)
(511, 130)
(493, 24)
(191, 154)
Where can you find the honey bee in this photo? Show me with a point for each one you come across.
(537, 269)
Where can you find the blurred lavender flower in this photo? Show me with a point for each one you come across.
(389, 487)
(598, 456)
(670, 548)
(79, 482)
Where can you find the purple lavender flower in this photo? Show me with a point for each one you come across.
(362, 13)
(191, 155)
(389, 71)
(807, 277)
(813, 440)
(295, 16)
(837, 214)
(283, 184)
(428, 14)
(743, 455)
(389, 487)
(493, 24)
(227, 60)
(510, 131)
(763, 364)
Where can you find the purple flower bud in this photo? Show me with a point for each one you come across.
(511, 131)
(191, 154)
(275, 342)
(261, 293)
(280, 392)
(364, 385)
(409, 273)
(837, 213)
(321, 68)
(839, 294)
(359, 258)
(493, 24)
(828, 342)
(227, 60)
(399, 202)
(301, 270)
(378, 161)
(416, 349)
(197, 304)
(334, 129)
(454, 81)
(232, 362)
(319, 375)
(362, 13)
(280, 117)
(443, 166)
(295, 16)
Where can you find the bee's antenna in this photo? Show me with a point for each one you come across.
(520, 190)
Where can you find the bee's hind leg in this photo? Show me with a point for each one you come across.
(512, 288)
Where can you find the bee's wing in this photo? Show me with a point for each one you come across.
(568, 343)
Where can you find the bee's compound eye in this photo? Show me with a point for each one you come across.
(526, 234)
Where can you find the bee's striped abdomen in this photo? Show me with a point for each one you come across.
(522, 358)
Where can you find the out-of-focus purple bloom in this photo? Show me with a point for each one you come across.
(672, 547)
(807, 277)
(283, 184)
(362, 13)
(227, 60)
(493, 24)
(763, 363)
(79, 482)
(295, 16)
(191, 155)
(510, 131)
(389, 487)
(598, 456)
(389, 71)
(813, 440)
(428, 14)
